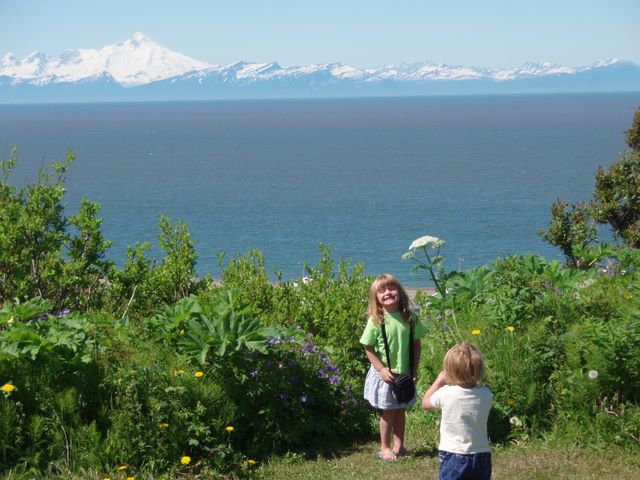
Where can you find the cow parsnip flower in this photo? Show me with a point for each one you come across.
(426, 241)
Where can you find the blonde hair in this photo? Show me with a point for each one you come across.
(375, 310)
(463, 365)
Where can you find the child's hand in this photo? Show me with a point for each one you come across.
(441, 381)
(386, 375)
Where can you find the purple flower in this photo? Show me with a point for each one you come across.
(62, 313)
(274, 340)
(334, 380)
(322, 373)
(309, 348)
(303, 399)
(255, 373)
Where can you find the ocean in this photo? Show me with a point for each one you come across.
(364, 176)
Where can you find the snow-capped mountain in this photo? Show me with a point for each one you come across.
(136, 61)
(140, 69)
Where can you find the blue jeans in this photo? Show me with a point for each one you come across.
(456, 466)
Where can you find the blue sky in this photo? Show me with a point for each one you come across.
(490, 33)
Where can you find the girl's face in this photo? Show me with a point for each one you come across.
(389, 297)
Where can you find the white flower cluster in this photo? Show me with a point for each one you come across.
(425, 242)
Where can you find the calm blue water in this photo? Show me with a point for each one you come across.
(366, 176)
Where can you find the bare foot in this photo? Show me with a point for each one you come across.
(386, 456)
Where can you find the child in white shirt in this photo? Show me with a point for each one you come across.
(464, 449)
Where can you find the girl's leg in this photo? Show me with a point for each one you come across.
(399, 423)
(387, 420)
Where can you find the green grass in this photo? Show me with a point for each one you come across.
(536, 461)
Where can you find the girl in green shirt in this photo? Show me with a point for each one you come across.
(389, 304)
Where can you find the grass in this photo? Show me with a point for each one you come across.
(535, 461)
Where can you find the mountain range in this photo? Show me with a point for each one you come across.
(139, 69)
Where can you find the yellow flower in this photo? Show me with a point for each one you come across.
(199, 374)
(7, 388)
(178, 372)
(475, 332)
(122, 468)
(229, 429)
(251, 462)
(131, 478)
(163, 425)
(511, 402)
(510, 328)
(106, 478)
(185, 460)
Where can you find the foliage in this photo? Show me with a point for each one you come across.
(38, 255)
(571, 228)
(616, 202)
(617, 197)
(561, 345)
(146, 282)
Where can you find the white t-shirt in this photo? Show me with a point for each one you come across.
(465, 412)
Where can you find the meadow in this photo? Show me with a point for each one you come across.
(147, 371)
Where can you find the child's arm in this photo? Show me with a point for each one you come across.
(385, 374)
(440, 382)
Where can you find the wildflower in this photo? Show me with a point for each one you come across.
(163, 425)
(515, 421)
(593, 374)
(8, 388)
(408, 255)
(131, 478)
(177, 373)
(303, 398)
(229, 428)
(425, 242)
(106, 478)
(510, 329)
(199, 374)
(475, 332)
(122, 468)
(185, 460)
(334, 380)
(251, 462)
(254, 373)
(511, 402)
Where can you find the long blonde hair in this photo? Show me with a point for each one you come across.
(375, 310)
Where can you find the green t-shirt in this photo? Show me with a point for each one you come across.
(397, 336)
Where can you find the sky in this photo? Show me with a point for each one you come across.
(362, 33)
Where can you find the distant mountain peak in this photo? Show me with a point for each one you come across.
(138, 61)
